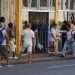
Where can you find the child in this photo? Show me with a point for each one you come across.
(12, 47)
(11, 34)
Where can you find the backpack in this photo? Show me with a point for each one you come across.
(1, 36)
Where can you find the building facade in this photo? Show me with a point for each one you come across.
(37, 10)
(44, 10)
(7, 9)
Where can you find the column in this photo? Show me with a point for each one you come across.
(57, 19)
(57, 12)
(18, 25)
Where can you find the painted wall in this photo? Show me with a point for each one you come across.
(8, 10)
(25, 14)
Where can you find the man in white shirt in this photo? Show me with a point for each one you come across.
(28, 40)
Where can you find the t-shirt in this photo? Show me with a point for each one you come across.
(4, 34)
(69, 35)
(28, 35)
(52, 34)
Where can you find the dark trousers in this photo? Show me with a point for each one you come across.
(4, 51)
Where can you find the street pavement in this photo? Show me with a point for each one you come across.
(61, 67)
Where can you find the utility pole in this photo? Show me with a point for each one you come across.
(57, 8)
(18, 25)
(57, 17)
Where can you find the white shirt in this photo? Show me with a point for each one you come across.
(69, 35)
(52, 34)
(28, 35)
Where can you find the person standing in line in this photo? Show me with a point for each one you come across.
(28, 37)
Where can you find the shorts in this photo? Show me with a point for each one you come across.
(12, 45)
(4, 51)
(28, 48)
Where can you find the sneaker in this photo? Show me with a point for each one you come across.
(15, 57)
(62, 54)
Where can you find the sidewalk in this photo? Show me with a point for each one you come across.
(23, 60)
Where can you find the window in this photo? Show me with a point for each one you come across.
(43, 3)
(33, 3)
(52, 4)
(72, 4)
(67, 4)
(61, 4)
(25, 3)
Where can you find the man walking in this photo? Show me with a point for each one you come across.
(28, 40)
(3, 40)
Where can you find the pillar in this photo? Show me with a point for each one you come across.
(57, 8)
(57, 18)
(18, 25)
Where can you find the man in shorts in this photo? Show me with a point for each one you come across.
(28, 40)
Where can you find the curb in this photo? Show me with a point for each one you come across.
(42, 59)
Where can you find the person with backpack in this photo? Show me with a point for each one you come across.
(3, 40)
